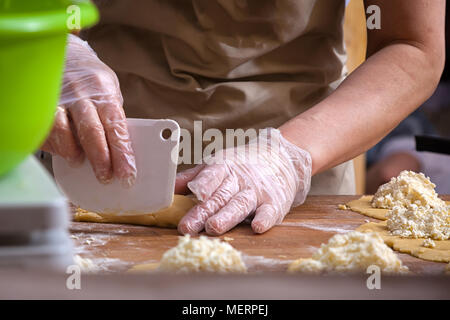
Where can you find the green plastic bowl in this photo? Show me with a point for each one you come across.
(33, 36)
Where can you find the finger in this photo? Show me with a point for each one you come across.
(92, 138)
(62, 141)
(194, 221)
(122, 155)
(184, 177)
(266, 216)
(207, 181)
(239, 207)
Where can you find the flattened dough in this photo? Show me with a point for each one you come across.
(167, 218)
(414, 247)
(363, 206)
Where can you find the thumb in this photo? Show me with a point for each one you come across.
(184, 177)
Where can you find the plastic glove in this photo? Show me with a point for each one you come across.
(265, 177)
(90, 120)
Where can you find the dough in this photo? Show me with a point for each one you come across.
(419, 222)
(363, 206)
(202, 255)
(407, 188)
(168, 217)
(441, 252)
(351, 252)
(414, 247)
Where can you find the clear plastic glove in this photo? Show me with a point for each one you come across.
(265, 177)
(90, 120)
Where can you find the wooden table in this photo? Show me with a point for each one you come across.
(116, 248)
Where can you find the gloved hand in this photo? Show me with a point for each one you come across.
(90, 120)
(265, 177)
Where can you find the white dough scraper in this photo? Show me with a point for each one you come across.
(155, 143)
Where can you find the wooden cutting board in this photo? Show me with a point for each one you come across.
(117, 247)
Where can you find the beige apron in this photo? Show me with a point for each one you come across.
(231, 64)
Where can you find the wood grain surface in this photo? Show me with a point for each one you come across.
(117, 247)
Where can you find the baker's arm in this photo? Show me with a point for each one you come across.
(405, 60)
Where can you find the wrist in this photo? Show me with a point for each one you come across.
(301, 140)
(295, 162)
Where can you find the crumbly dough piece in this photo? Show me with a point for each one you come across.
(414, 247)
(428, 243)
(202, 255)
(406, 189)
(351, 252)
(168, 217)
(419, 222)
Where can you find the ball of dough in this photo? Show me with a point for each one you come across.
(202, 255)
(351, 252)
(406, 189)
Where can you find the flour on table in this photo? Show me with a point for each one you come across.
(100, 264)
(406, 189)
(202, 255)
(351, 252)
(86, 265)
(419, 222)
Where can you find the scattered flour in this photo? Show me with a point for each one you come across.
(86, 265)
(327, 228)
(99, 265)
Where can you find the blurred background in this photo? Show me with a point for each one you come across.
(397, 151)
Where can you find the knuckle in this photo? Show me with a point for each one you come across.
(247, 199)
(203, 212)
(107, 80)
(213, 227)
(90, 133)
(117, 128)
(220, 198)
